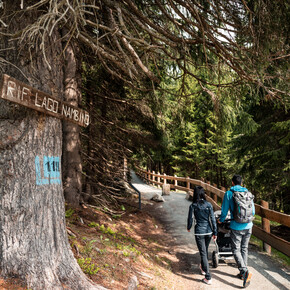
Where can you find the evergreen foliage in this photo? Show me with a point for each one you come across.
(121, 122)
(213, 132)
(263, 154)
(189, 87)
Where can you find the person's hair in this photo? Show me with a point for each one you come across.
(199, 194)
(237, 179)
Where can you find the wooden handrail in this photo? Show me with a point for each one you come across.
(272, 215)
(281, 218)
(274, 241)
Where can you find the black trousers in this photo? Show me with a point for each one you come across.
(202, 243)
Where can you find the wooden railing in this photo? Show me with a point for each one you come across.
(215, 194)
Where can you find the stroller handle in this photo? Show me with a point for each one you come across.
(227, 220)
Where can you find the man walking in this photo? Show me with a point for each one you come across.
(240, 203)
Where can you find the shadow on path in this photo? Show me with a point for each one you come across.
(267, 273)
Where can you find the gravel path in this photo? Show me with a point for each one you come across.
(267, 273)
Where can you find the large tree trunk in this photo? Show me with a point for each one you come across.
(72, 165)
(33, 239)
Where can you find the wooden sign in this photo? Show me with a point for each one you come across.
(27, 96)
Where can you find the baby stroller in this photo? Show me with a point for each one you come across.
(223, 242)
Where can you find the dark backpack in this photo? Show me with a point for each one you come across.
(243, 206)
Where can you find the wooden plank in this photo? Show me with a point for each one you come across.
(156, 175)
(272, 240)
(277, 243)
(272, 215)
(159, 183)
(281, 218)
(216, 191)
(156, 182)
(141, 170)
(22, 94)
(214, 204)
(195, 182)
(180, 187)
(220, 193)
(181, 179)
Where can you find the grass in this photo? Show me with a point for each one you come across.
(69, 213)
(277, 255)
(108, 251)
(87, 266)
(258, 222)
(281, 257)
(259, 243)
(111, 252)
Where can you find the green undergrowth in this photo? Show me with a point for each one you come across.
(108, 248)
(258, 222)
(277, 255)
(110, 237)
(259, 243)
(87, 266)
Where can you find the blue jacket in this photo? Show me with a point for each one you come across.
(228, 204)
(204, 217)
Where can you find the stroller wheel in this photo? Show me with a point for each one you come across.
(215, 259)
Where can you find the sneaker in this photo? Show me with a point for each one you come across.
(208, 282)
(240, 276)
(201, 271)
(247, 279)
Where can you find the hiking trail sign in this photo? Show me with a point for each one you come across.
(27, 96)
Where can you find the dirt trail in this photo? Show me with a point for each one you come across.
(267, 274)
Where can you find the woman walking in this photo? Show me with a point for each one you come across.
(205, 228)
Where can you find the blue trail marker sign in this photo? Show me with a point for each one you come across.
(27, 96)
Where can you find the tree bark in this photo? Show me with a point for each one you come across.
(72, 164)
(33, 238)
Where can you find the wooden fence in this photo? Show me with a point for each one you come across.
(215, 194)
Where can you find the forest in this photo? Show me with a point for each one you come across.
(218, 103)
(193, 88)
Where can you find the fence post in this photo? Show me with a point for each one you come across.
(266, 227)
(187, 184)
(153, 177)
(175, 181)
(214, 196)
(158, 179)
(164, 179)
